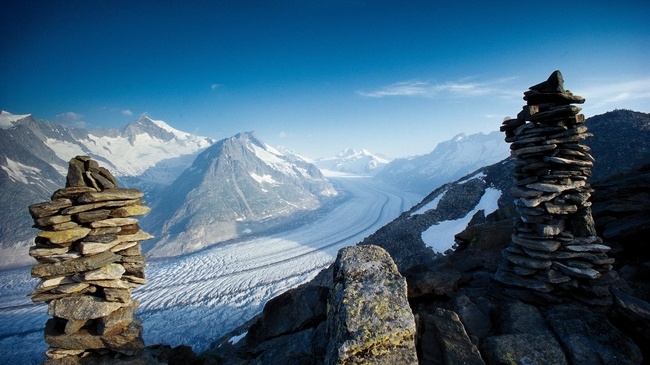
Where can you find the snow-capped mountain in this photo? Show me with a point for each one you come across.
(450, 160)
(34, 158)
(361, 162)
(8, 120)
(236, 187)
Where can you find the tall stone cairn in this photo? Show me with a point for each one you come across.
(89, 260)
(554, 253)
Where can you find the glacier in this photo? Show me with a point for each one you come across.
(197, 298)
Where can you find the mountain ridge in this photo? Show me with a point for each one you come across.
(448, 161)
(34, 158)
(236, 187)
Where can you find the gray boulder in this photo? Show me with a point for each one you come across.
(369, 320)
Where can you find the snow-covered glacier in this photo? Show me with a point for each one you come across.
(196, 298)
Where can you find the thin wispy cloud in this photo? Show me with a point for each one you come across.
(603, 95)
(127, 112)
(71, 119)
(460, 88)
(214, 86)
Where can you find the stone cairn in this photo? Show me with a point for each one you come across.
(89, 260)
(555, 252)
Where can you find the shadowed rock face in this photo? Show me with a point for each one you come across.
(369, 320)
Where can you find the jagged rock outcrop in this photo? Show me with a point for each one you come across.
(369, 320)
(555, 251)
(89, 260)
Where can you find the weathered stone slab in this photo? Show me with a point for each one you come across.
(82, 307)
(70, 288)
(130, 210)
(544, 245)
(566, 161)
(555, 188)
(64, 226)
(45, 209)
(80, 264)
(533, 150)
(63, 237)
(72, 192)
(128, 341)
(40, 251)
(110, 194)
(579, 273)
(560, 209)
(54, 219)
(509, 278)
(108, 272)
(113, 222)
(105, 204)
(533, 202)
(104, 231)
(93, 215)
(587, 248)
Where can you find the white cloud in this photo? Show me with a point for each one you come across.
(214, 86)
(283, 134)
(71, 119)
(127, 112)
(460, 88)
(612, 95)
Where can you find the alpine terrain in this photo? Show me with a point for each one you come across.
(239, 186)
(34, 156)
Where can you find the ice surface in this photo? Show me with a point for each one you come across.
(197, 298)
(440, 236)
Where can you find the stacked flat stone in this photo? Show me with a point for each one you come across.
(554, 252)
(89, 259)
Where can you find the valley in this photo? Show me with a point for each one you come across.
(196, 298)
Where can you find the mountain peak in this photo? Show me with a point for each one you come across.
(8, 120)
(459, 137)
(352, 161)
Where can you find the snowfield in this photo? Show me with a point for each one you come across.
(440, 236)
(197, 298)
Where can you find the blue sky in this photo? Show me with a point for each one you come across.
(394, 77)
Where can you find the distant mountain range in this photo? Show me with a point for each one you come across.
(351, 161)
(237, 187)
(449, 161)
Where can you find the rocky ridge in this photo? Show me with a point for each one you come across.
(89, 260)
